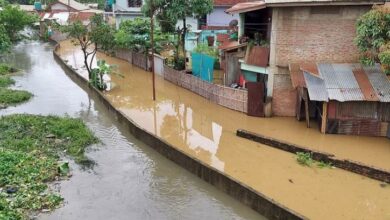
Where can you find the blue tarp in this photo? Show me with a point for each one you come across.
(203, 66)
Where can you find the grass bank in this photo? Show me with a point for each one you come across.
(6, 81)
(10, 96)
(30, 150)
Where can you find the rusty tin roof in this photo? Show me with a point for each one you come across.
(343, 82)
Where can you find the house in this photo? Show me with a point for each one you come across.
(218, 18)
(344, 98)
(64, 12)
(300, 31)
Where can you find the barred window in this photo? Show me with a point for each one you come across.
(134, 3)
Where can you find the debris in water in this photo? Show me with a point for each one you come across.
(290, 180)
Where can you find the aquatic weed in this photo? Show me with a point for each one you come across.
(30, 149)
(306, 159)
(11, 97)
(6, 81)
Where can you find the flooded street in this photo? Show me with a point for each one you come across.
(129, 180)
(207, 131)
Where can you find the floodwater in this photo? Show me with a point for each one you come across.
(207, 131)
(129, 180)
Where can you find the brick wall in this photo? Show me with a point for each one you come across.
(284, 99)
(309, 34)
(322, 33)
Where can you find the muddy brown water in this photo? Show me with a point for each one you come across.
(207, 131)
(129, 180)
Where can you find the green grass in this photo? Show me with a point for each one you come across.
(12, 97)
(305, 159)
(6, 81)
(30, 150)
(6, 69)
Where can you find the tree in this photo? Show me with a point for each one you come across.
(14, 20)
(373, 37)
(171, 11)
(98, 35)
(135, 35)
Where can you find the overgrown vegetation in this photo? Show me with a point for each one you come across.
(6, 81)
(373, 37)
(12, 97)
(204, 48)
(6, 69)
(30, 149)
(135, 35)
(306, 159)
(14, 20)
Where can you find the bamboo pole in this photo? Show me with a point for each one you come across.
(324, 117)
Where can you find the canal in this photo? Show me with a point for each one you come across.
(129, 180)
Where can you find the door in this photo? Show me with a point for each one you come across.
(255, 99)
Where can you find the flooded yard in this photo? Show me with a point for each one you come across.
(207, 131)
(129, 179)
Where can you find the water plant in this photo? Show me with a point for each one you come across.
(6, 81)
(30, 151)
(306, 159)
(6, 69)
(12, 97)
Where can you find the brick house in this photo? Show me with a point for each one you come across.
(304, 31)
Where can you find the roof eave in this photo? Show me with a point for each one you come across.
(345, 3)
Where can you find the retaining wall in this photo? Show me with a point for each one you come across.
(245, 194)
(236, 99)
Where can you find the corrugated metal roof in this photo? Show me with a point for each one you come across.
(338, 82)
(379, 82)
(246, 7)
(316, 87)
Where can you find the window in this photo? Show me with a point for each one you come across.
(134, 3)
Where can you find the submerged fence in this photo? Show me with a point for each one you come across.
(235, 99)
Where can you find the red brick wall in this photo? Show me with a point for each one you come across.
(309, 34)
(316, 33)
(284, 96)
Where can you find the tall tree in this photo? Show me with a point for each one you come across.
(99, 35)
(172, 11)
(373, 37)
(14, 20)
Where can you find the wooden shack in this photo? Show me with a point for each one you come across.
(344, 98)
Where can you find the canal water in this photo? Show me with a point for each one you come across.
(129, 180)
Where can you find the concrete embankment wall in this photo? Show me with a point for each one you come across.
(238, 190)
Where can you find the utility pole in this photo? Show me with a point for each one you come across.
(152, 46)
